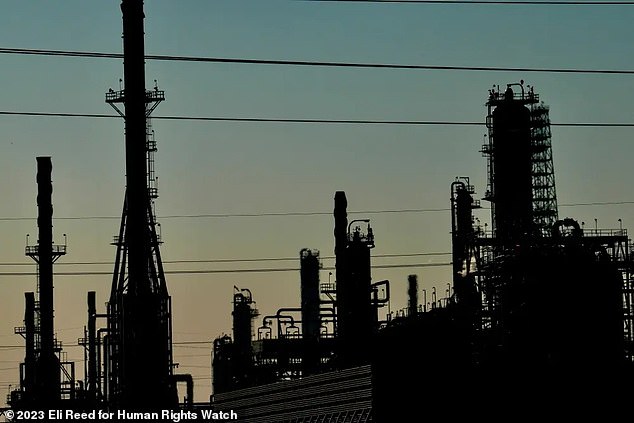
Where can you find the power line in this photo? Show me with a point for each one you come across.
(173, 58)
(314, 121)
(192, 342)
(487, 2)
(233, 260)
(597, 203)
(227, 215)
(194, 366)
(210, 271)
(295, 214)
(191, 347)
(192, 355)
(83, 115)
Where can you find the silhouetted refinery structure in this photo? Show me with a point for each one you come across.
(534, 300)
(129, 361)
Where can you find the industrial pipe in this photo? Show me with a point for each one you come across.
(188, 379)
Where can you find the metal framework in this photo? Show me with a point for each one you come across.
(544, 196)
(155, 284)
(139, 363)
(520, 275)
(332, 331)
(46, 376)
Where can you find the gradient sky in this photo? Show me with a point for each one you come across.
(220, 167)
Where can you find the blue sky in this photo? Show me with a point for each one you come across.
(248, 168)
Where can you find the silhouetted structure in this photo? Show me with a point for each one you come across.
(356, 320)
(522, 286)
(412, 294)
(128, 363)
(337, 332)
(535, 300)
(46, 378)
(311, 323)
(513, 318)
(526, 266)
(139, 335)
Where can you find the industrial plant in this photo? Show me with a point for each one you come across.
(534, 298)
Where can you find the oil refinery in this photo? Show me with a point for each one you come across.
(536, 298)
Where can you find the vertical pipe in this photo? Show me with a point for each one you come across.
(462, 241)
(358, 306)
(48, 373)
(461, 226)
(29, 326)
(309, 274)
(189, 381)
(92, 347)
(341, 268)
(412, 293)
(137, 236)
(242, 325)
(355, 323)
(105, 344)
(242, 328)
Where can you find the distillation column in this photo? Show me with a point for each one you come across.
(510, 170)
(355, 320)
(309, 271)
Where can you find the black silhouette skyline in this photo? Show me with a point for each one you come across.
(233, 170)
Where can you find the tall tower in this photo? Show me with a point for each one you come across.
(521, 178)
(355, 320)
(140, 365)
(309, 273)
(41, 384)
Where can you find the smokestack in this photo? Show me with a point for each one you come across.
(48, 366)
(309, 272)
(412, 294)
(137, 231)
(139, 321)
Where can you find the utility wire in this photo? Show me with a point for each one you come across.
(234, 260)
(313, 121)
(193, 366)
(289, 214)
(172, 58)
(227, 215)
(210, 271)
